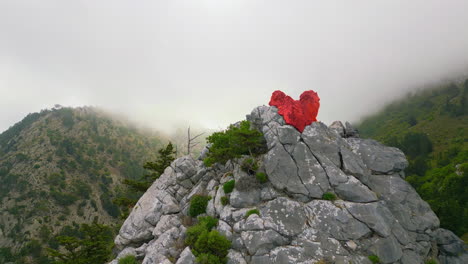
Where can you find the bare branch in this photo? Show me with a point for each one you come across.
(190, 140)
(197, 136)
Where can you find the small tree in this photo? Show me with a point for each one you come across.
(94, 245)
(156, 168)
(138, 187)
(235, 142)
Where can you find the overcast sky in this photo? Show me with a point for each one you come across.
(210, 62)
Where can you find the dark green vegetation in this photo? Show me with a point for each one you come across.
(431, 128)
(165, 158)
(251, 212)
(198, 205)
(207, 244)
(229, 186)
(92, 245)
(249, 165)
(78, 245)
(261, 177)
(374, 259)
(62, 168)
(224, 200)
(136, 188)
(329, 196)
(234, 142)
(130, 259)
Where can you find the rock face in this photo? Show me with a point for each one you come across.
(376, 211)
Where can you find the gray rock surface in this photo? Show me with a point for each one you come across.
(338, 128)
(377, 212)
(378, 158)
(235, 257)
(186, 257)
(354, 191)
(350, 131)
(241, 199)
(387, 249)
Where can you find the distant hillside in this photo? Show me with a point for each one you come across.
(60, 168)
(431, 127)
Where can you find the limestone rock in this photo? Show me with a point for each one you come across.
(186, 257)
(377, 211)
(335, 221)
(338, 128)
(235, 257)
(354, 191)
(261, 242)
(288, 216)
(350, 131)
(387, 249)
(377, 157)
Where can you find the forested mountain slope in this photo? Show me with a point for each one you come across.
(60, 168)
(431, 127)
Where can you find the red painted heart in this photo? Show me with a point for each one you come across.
(298, 113)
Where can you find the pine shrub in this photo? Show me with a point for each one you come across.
(198, 205)
(212, 243)
(233, 143)
(207, 244)
(208, 259)
(208, 222)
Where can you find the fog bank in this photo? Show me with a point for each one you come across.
(207, 63)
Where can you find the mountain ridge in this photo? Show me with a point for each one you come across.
(63, 167)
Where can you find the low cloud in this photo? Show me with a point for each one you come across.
(208, 63)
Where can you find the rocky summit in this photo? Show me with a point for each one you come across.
(331, 197)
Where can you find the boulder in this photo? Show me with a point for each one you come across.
(338, 128)
(186, 257)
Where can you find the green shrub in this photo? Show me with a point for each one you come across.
(207, 245)
(329, 196)
(208, 259)
(193, 233)
(374, 259)
(229, 186)
(198, 205)
(249, 165)
(233, 143)
(130, 259)
(251, 212)
(261, 177)
(208, 222)
(212, 243)
(431, 261)
(224, 200)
